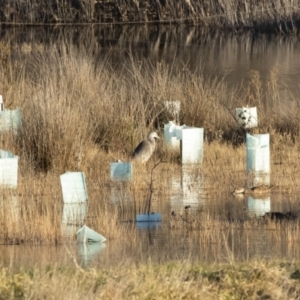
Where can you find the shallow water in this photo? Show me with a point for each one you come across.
(178, 236)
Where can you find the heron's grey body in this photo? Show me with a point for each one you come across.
(145, 149)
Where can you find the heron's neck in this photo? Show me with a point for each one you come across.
(151, 139)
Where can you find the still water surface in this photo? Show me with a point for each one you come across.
(221, 55)
(178, 236)
(214, 54)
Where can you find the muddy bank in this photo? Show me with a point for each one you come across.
(235, 14)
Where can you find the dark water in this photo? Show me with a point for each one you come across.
(229, 56)
(226, 56)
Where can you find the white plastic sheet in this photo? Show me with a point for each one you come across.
(73, 187)
(247, 117)
(192, 145)
(258, 158)
(121, 171)
(8, 169)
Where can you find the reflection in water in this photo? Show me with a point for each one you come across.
(148, 225)
(258, 205)
(192, 187)
(13, 203)
(214, 53)
(89, 251)
(187, 198)
(119, 193)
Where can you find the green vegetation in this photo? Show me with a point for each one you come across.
(173, 280)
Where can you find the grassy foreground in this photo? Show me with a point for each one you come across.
(173, 280)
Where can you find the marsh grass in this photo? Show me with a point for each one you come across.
(80, 116)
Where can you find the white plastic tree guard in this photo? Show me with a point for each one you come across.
(121, 171)
(179, 131)
(173, 107)
(73, 187)
(258, 159)
(74, 213)
(88, 235)
(257, 207)
(8, 169)
(192, 145)
(247, 117)
(10, 120)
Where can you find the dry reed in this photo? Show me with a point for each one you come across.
(269, 16)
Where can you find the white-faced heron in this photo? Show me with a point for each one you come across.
(145, 148)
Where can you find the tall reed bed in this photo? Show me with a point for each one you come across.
(73, 105)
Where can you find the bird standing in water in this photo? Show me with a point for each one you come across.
(145, 148)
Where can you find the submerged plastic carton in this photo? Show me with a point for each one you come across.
(88, 235)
